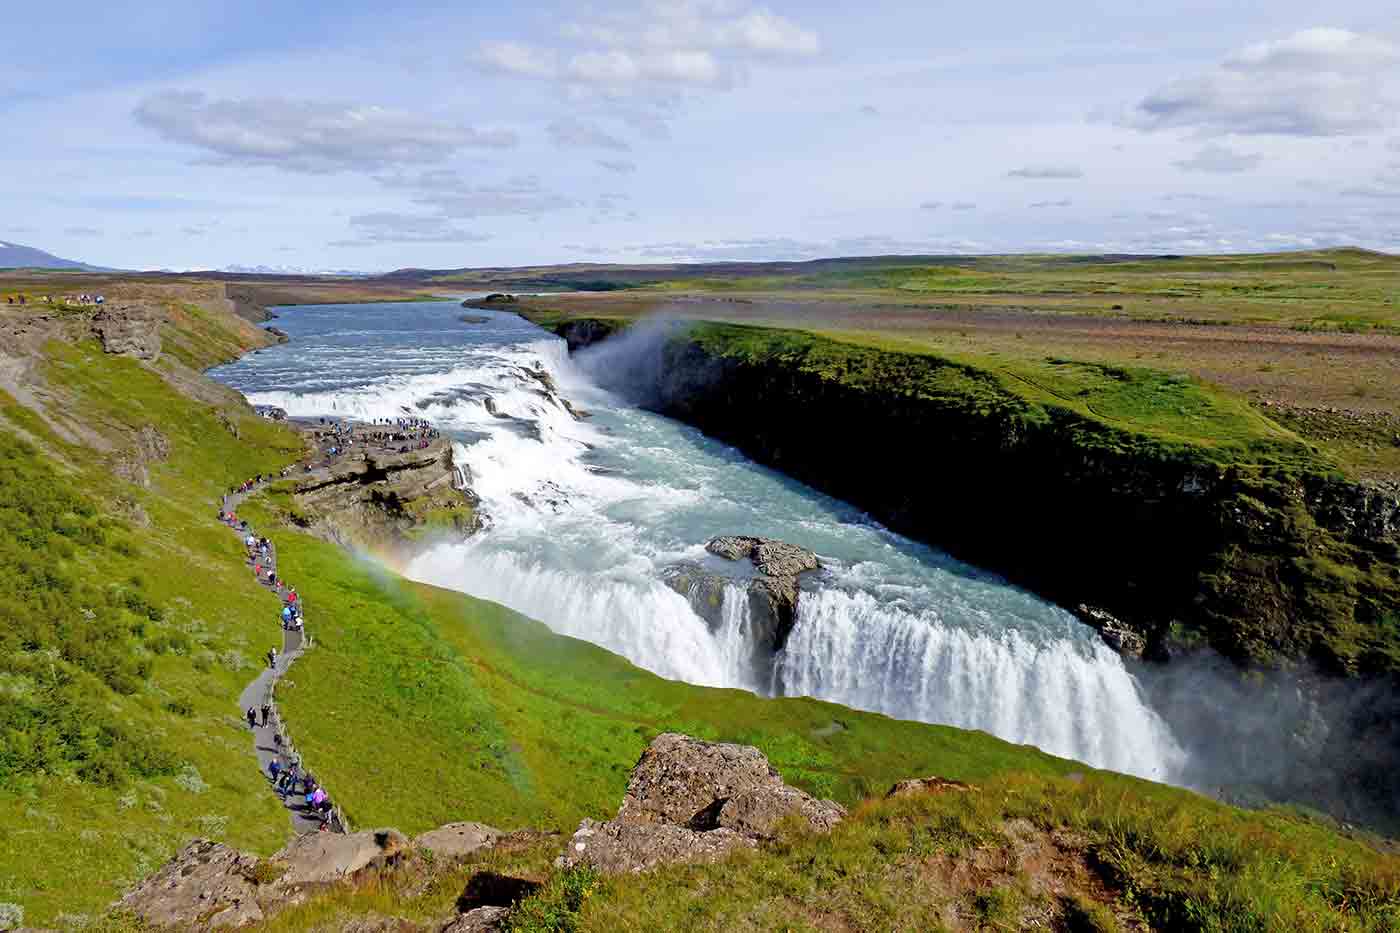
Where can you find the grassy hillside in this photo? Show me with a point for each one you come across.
(493, 717)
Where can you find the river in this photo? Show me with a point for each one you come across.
(584, 517)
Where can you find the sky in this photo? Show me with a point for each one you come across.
(369, 136)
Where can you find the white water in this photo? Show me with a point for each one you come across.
(584, 516)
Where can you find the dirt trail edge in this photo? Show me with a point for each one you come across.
(261, 692)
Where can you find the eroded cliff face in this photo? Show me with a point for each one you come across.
(388, 503)
(1163, 545)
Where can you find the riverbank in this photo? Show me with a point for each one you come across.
(1245, 539)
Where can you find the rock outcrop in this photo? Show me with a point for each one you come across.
(206, 885)
(1117, 634)
(209, 885)
(128, 330)
(457, 840)
(694, 801)
(929, 785)
(772, 591)
(382, 503)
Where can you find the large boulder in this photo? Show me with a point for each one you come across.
(209, 885)
(774, 590)
(206, 885)
(678, 779)
(457, 840)
(619, 848)
(690, 800)
(325, 858)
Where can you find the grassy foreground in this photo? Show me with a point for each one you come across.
(1095, 853)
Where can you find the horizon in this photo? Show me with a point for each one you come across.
(694, 131)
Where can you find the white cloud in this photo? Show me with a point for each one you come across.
(1317, 82)
(1220, 160)
(618, 166)
(580, 134)
(1319, 49)
(82, 231)
(1044, 204)
(963, 206)
(518, 58)
(308, 136)
(692, 43)
(1046, 172)
(455, 197)
(393, 227)
(931, 205)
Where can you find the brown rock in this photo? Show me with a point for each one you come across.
(678, 778)
(757, 812)
(457, 840)
(129, 331)
(480, 920)
(325, 858)
(207, 885)
(694, 801)
(928, 785)
(616, 847)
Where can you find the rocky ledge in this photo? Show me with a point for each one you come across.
(209, 885)
(773, 591)
(129, 330)
(693, 801)
(385, 502)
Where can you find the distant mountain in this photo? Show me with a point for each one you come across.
(293, 270)
(17, 256)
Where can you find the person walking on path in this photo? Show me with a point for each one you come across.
(266, 711)
(253, 717)
(272, 658)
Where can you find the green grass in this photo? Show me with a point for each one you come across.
(1088, 853)
(1118, 406)
(119, 738)
(498, 719)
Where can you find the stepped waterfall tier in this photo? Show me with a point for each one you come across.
(588, 502)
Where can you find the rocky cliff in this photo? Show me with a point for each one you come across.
(386, 502)
(1160, 544)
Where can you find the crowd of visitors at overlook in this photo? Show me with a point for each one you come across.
(83, 299)
(398, 435)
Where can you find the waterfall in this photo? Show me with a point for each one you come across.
(1068, 697)
(586, 517)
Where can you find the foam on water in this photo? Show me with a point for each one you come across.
(585, 515)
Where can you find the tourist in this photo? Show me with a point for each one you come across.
(272, 658)
(273, 767)
(252, 718)
(266, 711)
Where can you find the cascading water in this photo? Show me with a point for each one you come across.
(586, 517)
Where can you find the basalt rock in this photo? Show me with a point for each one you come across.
(1116, 633)
(694, 801)
(479, 920)
(774, 592)
(208, 885)
(128, 330)
(457, 840)
(929, 785)
(384, 501)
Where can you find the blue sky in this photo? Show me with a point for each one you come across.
(364, 136)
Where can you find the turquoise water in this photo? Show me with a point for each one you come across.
(584, 517)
